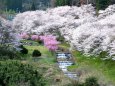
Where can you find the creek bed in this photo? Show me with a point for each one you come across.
(64, 60)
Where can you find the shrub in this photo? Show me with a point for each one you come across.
(91, 81)
(21, 46)
(15, 73)
(103, 54)
(7, 53)
(23, 49)
(36, 53)
(40, 42)
(75, 83)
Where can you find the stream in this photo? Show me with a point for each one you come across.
(64, 60)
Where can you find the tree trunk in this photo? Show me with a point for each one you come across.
(82, 2)
(53, 3)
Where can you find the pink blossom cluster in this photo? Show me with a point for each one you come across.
(34, 37)
(50, 42)
(24, 35)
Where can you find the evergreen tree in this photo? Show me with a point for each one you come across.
(97, 7)
(14, 5)
(102, 4)
(63, 2)
(33, 7)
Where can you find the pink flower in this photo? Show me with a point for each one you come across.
(50, 42)
(24, 35)
(35, 37)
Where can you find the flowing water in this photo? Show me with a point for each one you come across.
(64, 60)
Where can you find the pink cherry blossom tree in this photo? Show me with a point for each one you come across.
(35, 37)
(24, 35)
(50, 42)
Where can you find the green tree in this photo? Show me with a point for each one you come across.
(14, 5)
(63, 2)
(102, 4)
(16, 73)
(97, 7)
(33, 7)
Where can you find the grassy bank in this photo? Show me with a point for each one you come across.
(94, 66)
(46, 64)
(104, 70)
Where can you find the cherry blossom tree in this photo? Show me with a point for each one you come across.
(35, 37)
(78, 25)
(7, 35)
(24, 35)
(50, 42)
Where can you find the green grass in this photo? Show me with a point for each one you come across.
(46, 57)
(46, 64)
(64, 45)
(104, 70)
(94, 66)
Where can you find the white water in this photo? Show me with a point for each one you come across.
(64, 61)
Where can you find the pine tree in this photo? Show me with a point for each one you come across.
(33, 7)
(104, 4)
(14, 5)
(63, 2)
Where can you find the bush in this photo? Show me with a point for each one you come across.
(40, 42)
(36, 53)
(103, 54)
(23, 49)
(7, 53)
(15, 73)
(91, 81)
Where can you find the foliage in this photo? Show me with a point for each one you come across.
(15, 73)
(60, 38)
(8, 53)
(50, 21)
(95, 67)
(24, 36)
(40, 41)
(35, 37)
(103, 54)
(36, 53)
(23, 50)
(33, 7)
(14, 5)
(50, 42)
(6, 33)
(63, 2)
(103, 3)
(89, 35)
(91, 81)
